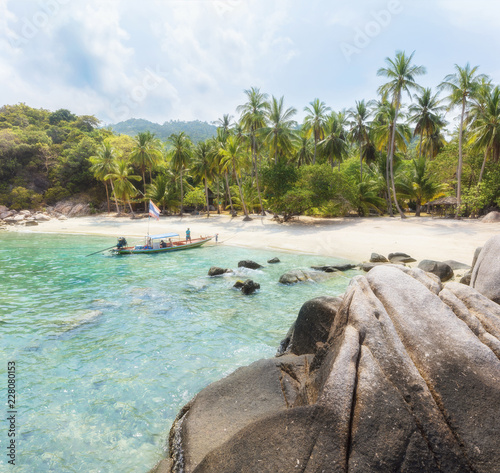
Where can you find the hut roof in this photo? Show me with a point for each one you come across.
(450, 200)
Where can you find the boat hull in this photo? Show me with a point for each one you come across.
(177, 247)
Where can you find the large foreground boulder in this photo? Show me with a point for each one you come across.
(486, 273)
(407, 380)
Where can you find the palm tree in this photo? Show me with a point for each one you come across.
(123, 188)
(224, 123)
(104, 163)
(422, 187)
(360, 129)
(401, 74)
(158, 190)
(315, 122)
(334, 146)
(234, 152)
(485, 126)
(180, 156)
(203, 166)
(252, 118)
(462, 86)
(146, 153)
(279, 134)
(434, 143)
(304, 153)
(426, 115)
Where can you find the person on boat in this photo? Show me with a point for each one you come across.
(188, 235)
(163, 244)
(170, 244)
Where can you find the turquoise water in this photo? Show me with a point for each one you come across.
(108, 348)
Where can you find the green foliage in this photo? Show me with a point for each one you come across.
(195, 197)
(55, 194)
(21, 198)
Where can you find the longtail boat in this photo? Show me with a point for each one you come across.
(161, 243)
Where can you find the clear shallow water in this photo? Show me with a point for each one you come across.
(108, 349)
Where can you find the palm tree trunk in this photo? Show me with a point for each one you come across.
(182, 195)
(116, 200)
(315, 146)
(486, 153)
(107, 196)
(131, 209)
(144, 188)
(218, 193)
(387, 181)
(420, 147)
(241, 193)
(391, 162)
(360, 162)
(417, 210)
(262, 211)
(459, 167)
(229, 193)
(206, 195)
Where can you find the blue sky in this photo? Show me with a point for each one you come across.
(192, 59)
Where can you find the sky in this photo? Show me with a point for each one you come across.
(167, 60)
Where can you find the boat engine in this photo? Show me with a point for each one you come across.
(122, 243)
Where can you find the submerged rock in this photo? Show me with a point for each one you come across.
(247, 287)
(216, 271)
(299, 275)
(249, 264)
(398, 374)
(333, 268)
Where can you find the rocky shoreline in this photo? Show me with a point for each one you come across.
(401, 373)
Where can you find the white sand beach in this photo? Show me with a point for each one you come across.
(353, 239)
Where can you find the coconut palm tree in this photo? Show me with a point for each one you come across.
(158, 190)
(401, 74)
(426, 114)
(180, 157)
(360, 129)
(304, 152)
(146, 153)
(434, 143)
(485, 126)
(462, 85)
(334, 146)
(203, 165)
(421, 186)
(102, 164)
(225, 123)
(234, 151)
(279, 134)
(252, 118)
(123, 188)
(315, 122)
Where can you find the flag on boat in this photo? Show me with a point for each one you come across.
(154, 211)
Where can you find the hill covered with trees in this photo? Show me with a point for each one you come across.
(196, 130)
(385, 155)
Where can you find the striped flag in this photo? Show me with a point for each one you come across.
(154, 211)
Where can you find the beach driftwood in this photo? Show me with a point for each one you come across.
(399, 374)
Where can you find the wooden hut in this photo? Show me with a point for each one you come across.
(443, 207)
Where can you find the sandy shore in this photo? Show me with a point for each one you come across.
(353, 239)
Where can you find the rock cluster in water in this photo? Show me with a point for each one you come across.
(61, 211)
(400, 374)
